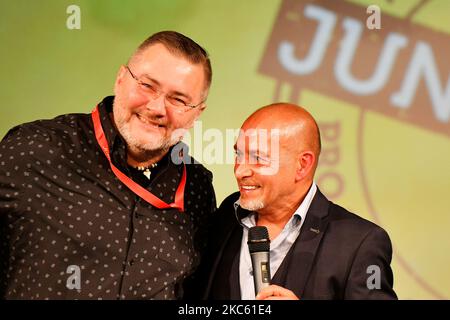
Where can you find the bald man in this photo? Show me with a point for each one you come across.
(318, 249)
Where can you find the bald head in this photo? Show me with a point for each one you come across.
(277, 152)
(296, 125)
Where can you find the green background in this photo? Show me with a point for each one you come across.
(49, 70)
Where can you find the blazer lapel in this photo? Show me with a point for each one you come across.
(229, 226)
(234, 277)
(295, 268)
(218, 256)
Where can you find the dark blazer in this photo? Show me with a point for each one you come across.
(331, 258)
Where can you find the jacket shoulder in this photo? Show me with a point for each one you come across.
(60, 126)
(351, 224)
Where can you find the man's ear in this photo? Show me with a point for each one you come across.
(198, 112)
(119, 78)
(305, 164)
(202, 107)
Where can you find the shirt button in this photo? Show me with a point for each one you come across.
(131, 262)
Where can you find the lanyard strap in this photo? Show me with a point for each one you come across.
(133, 186)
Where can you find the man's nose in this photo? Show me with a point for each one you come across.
(242, 170)
(157, 105)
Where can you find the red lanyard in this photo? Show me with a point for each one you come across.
(133, 186)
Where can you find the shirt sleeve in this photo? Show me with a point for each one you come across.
(209, 210)
(13, 169)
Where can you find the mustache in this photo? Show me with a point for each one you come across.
(155, 120)
(245, 182)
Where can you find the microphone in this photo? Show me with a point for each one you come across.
(259, 247)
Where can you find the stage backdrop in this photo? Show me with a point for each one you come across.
(381, 96)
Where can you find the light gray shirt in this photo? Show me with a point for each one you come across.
(279, 246)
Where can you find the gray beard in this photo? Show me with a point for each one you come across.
(253, 205)
(136, 145)
(144, 150)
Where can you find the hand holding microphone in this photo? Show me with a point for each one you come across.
(274, 292)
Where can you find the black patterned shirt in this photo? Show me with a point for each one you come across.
(69, 229)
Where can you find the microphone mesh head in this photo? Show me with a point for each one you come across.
(258, 239)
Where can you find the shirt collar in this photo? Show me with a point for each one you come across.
(303, 208)
(117, 145)
(105, 108)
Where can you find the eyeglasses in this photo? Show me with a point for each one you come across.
(173, 101)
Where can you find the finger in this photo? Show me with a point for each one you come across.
(275, 291)
(279, 298)
(288, 296)
(266, 292)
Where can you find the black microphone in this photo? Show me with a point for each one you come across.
(259, 247)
